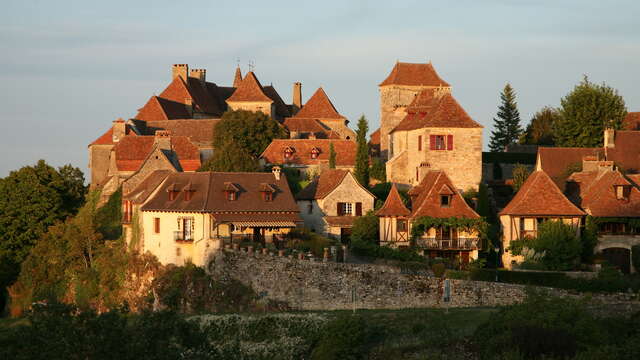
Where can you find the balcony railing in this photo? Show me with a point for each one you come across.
(448, 244)
(179, 236)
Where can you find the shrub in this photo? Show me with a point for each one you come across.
(438, 269)
(345, 338)
(366, 228)
(367, 249)
(557, 241)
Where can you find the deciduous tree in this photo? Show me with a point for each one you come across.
(540, 129)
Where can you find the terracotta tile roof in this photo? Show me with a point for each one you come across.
(199, 131)
(107, 137)
(632, 121)
(162, 109)
(374, 138)
(429, 109)
(540, 196)
(131, 151)
(414, 75)
(142, 192)
(319, 107)
(596, 193)
(304, 125)
(209, 196)
(427, 201)
(281, 108)
(393, 205)
(323, 185)
(340, 221)
(237, 77)
(249, 90)
(203, 100)
(345, 151)
(626, 152)
(554, 161)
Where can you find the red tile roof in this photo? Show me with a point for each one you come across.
(597, 194)
(374, 138)
(323, 185)
(555, 161)
(141, 192)
(426, 198)
(107, 137)
(540, 196)
(319, 107)
(237, 77)
(304, 125)
(192, 90)
(433, 109)
(393, 205)
(162, 109)
(199, 131)
(345, 151)
(626, 150)
(413, 75)
(131, 151)
(632, 121)
(340, 221)
(249, 90)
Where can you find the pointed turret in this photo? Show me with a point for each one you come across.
(237, 78)
(393, 206)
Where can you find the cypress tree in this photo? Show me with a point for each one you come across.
(506, 126)
(362, 154)
(332, 156)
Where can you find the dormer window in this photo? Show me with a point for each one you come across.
(267, 192)
(188, 192)
(231, 191)
(315, 152)
(288, 152)
(445, 200)
(173, 192)
(622, 192)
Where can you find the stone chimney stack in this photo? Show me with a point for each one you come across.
(119, 130)
(297, 95)
(276, 172)
(200, 74)
(180, 70)
(609, 138)
(163, 139)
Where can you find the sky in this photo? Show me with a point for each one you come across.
(69, 68)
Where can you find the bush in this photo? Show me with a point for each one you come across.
(558, 241)
(309, 241)
(367, 249)
(366, 228)
(345, 338)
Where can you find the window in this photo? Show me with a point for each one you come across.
(288, 153)
(314, 153)
(172, 195)
(441, 142)
(156, 225)
(231, 195)
(445, 200)
(268, 196)
(622, 192)
(401, 226)
(345, 209)
(420, 143)
(187, 229)
(358, 209)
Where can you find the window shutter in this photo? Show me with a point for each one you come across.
(449, 142)
(432, 142)
(156, 223)
(340, 209)
(420, 143)
(358, 209)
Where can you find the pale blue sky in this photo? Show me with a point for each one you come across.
(68, 68)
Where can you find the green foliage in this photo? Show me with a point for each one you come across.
(366, 228)
(378, 170)
(307, 241)
(497, 171)
(109, 217)
(520, 175)
(586, 112)
(345, 338)
(229, 156)
(250, 131)
(332, 156)
(589, 239)
(483, 207)
(368, 249)
(438, 270)
(361, 171)
(507, 129)
(296, 179)
(382, 190)
(559, 243)
(540, 129)
(424, 223)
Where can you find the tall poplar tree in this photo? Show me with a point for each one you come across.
(506, 125)
(332, 156)
(362, 154)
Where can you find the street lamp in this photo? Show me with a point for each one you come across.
(497, 250)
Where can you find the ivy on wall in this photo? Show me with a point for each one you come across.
(422, 224)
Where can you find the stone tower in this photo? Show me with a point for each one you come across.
(398, 90)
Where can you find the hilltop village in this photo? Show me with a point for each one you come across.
(431, 150)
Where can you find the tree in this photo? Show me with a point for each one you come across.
(540, 129)
(507, 127)
(378, 170)
(586, 112)
(365, 228)
(557, 241)
(520, 174)
(361, 171)
(251, 131)
(231, 157)
(332, 156)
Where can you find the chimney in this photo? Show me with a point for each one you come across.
(200, 74)
(276, 172)
(119, 130)
(297, 95)
(609, 138)
(590, 163)
(180, 70)
(163, 139)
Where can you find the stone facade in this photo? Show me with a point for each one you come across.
(267, 108)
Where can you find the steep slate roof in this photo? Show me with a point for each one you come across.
(393, 205)
(249, 90)
(158, 108)
(626, 152)
(199, 131)
(319, 107)
(107, 137)
(426, 198)
(192, 89)
(324, 184)
(345, 151)
(430, 109)
(140, 194)
(554, 161)
(281, 108)
(596, 194)
(632, 121)
(540, 196)
(131, 151)
(209, 196)
(414, 75)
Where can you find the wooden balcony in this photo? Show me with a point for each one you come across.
(449, 244)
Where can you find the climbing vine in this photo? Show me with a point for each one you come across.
(424, 223)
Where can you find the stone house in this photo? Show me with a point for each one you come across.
(435, 134)
(309, 156)
(434, 197)
(332, 201)
(398, 90)
(539, 199)
(181, 217)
